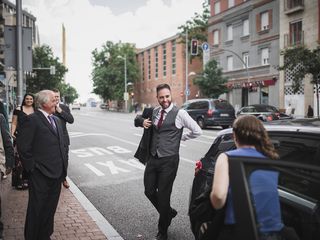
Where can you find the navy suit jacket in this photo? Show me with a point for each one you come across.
(41, 146)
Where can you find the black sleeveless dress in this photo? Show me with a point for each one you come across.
(19, 175)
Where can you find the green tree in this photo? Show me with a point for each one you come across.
(211, 82)
(108, 69)
(68, 92)
(197, 27)
(41, 78)
(302, 62)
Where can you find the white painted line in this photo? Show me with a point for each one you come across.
(95, 170)
(98, 218)
(210, 137)
(137, 134)
(187, 160)
(196, 140)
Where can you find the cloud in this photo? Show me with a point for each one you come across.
(90, 26)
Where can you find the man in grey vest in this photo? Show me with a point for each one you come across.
(167, 125)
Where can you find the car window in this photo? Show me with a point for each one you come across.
(193, 105)
(300, 149)
(203, 105)
(222, 105)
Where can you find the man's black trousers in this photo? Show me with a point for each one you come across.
(159, 176)
(44, 195)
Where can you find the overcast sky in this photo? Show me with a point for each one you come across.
(90, 23)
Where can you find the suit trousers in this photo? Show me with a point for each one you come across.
(159, 176)
(44, 196)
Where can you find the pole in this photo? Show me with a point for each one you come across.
(19, 51)
(125, 83)
(187, 56)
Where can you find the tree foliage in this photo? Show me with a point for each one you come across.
(68, 92)
(197, 27)
(211, 83)
(301, 61)
(108, 69)
(41, 78)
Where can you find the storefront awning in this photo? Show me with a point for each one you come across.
(251, 84)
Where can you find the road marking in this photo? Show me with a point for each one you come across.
(187, 160)
(196, 140)
(137, 134)
(210, 137)
(95, 170)
(134, 163)
(113, 169)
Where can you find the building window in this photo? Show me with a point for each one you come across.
(216, 7)
(142, 67)
(245, 30)
(245, 58)
(264, 21)
(229, 33)
(216, 37)
(156, 65)
(294, 3)
(230, 3)
(164, 60)
(173, 57)
(230, 63)
(265, 56)
(149, 65)
(296, 36)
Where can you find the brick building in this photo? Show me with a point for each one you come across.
(164, 62)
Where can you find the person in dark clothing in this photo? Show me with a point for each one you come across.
(6, 156)
(19, 175)
(64, 114)
(310, 112)
(41, 147)
(167, 123)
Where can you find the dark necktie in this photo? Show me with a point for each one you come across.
(161, 119)
(53, 124)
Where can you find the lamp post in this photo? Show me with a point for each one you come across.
(125, 95)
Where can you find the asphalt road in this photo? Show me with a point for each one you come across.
(103, 167)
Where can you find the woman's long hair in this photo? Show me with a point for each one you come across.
(249, 130)
(24, 100)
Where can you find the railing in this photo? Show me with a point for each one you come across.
(293, 5)
(294, 39)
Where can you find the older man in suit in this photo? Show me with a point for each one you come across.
(64, 114)
(42, 149)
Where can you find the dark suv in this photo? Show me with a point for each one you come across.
(210, 112)
(298, 144)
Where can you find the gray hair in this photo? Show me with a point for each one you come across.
(42, 98)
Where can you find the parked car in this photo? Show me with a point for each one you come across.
(210, 112)
(263, 112)
(298, 144)
(104, 106)
(75, 105)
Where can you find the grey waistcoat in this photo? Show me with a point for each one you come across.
(166, 140)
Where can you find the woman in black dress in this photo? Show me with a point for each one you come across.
(19, 176)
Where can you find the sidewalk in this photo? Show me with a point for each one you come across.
(72, 219)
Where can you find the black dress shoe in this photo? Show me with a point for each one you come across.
(173, 214)
(161, 236)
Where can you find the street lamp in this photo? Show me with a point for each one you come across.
(125, 96)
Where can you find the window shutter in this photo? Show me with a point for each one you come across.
(270, 19)
(258, 22)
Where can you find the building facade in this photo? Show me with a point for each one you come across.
(165, 62)
(244, 40)
(7, 75)
(299, 25)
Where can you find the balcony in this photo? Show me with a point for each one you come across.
(292, 6)
(293, 39)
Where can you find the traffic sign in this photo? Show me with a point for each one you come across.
(126, 96)
(205, 46)
(187, 92)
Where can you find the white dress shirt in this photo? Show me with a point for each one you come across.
(183, 120)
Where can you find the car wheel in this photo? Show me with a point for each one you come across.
(201, 123)
(224, 126)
